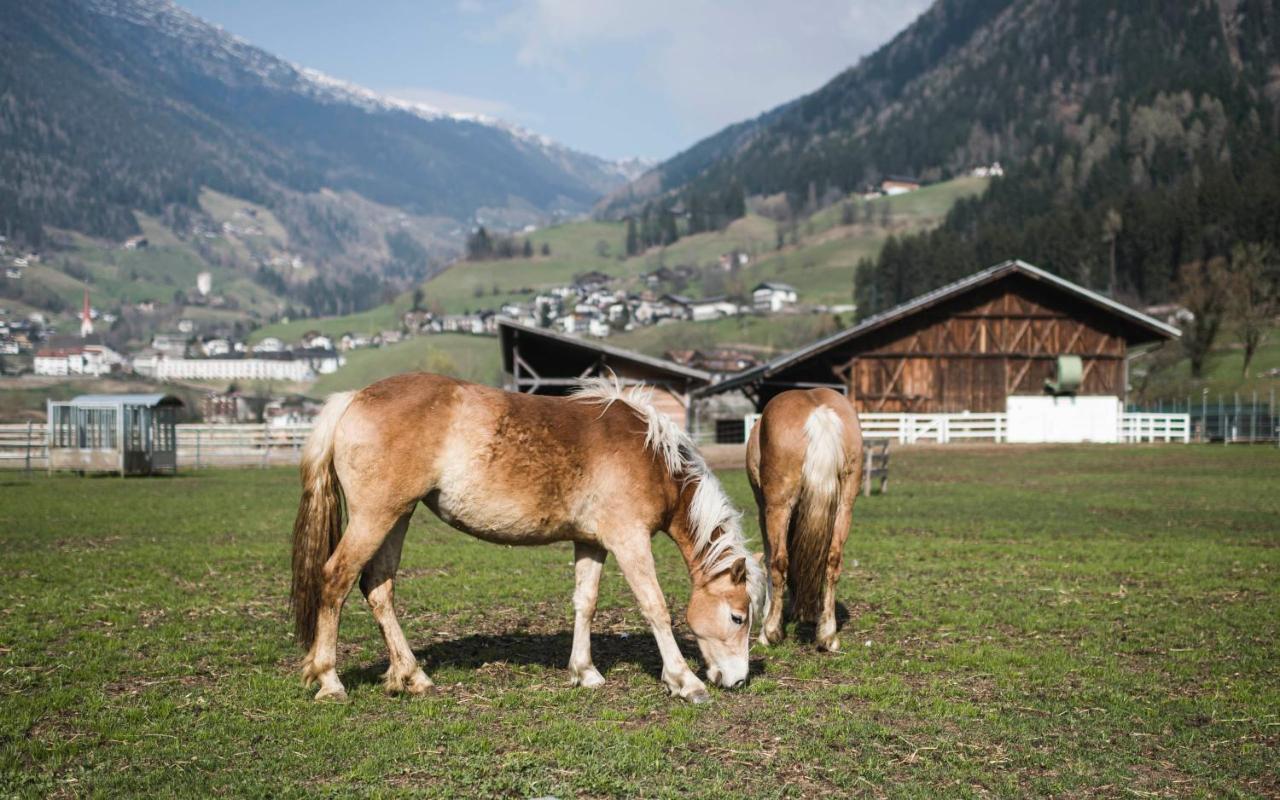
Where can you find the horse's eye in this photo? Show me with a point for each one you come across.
(737, 620)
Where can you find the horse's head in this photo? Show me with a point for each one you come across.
(720, 611)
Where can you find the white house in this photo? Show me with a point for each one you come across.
(706, 308)
(170, 344)
(271, 344)
(232, 368)
(217, 347)
(63, 358)
(598, 328)
(772, 296)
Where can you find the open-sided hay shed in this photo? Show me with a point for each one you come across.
(539, 361)
(131, 434)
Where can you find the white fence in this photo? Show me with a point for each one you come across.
(25, 446)
(1146, 427)
(944, 428)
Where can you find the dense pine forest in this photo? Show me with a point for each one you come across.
(1137, 137)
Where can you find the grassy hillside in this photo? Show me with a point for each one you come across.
(472, 358)
(767, 335)
(1172, 381)
(820, 264)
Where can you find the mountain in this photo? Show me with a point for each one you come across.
(1092, 106)
(110, 107)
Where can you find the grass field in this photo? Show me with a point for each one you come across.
(1020, 622)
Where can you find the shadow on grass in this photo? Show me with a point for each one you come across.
(550, 651)
(807, 632)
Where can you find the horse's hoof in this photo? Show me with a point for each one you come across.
(832, 645)
(699, 697)
(588, 679)
(418, 684)
(331, 696)
(769, 638)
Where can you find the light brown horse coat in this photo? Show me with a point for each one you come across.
(602, 469)
(804, 461)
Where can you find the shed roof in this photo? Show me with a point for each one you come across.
(506, 327)
(1154, 327)
(148, 400)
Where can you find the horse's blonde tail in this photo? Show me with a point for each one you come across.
(812, 526)
(318, 526)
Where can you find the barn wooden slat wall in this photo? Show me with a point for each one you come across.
(970, 353)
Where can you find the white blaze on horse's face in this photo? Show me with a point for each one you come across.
(720, 617)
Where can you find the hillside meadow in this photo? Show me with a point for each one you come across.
(820, 265)
(1042, 621)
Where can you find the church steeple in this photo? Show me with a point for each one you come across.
(86, 320)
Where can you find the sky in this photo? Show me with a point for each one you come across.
(615, 78)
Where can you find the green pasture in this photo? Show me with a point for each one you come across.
(1017, 622)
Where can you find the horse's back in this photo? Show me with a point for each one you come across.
(504, 466)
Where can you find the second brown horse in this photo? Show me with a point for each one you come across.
(804, 459)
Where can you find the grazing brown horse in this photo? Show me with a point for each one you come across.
(602, 469)
(804, 460)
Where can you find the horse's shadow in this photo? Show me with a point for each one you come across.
(550, 651)
(807, 632)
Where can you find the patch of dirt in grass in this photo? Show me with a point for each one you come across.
(135, 685)
(86, 544)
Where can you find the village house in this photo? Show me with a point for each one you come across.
(315, 340)
(598, 328)
(354, 341)
(216, 347)
(271, 344)
(288, 411)
(702, 309)
(73, 355)
(170, 344)
(898, 184)
(227, 408)
(772, 296)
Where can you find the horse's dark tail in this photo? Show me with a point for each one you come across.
(318, 527)
(812, 526)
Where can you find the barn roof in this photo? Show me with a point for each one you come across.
(508, 329)
(1153, 328)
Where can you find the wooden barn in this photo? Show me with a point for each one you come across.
(968, 346)
(540, 361)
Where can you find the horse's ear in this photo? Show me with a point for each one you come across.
(738, 572)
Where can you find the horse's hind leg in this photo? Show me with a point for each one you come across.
(365, 533)
(588, 563)
(777, 521)
(826, 634)
(377, 583)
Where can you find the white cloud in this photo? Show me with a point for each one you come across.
(716, 62)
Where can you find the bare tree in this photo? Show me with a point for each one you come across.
(1112, 225)
(1205, 290)
(1254, 297)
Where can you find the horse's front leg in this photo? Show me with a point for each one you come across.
(635, 559)
(588, 562)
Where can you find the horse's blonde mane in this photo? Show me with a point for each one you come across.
(710, 509)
